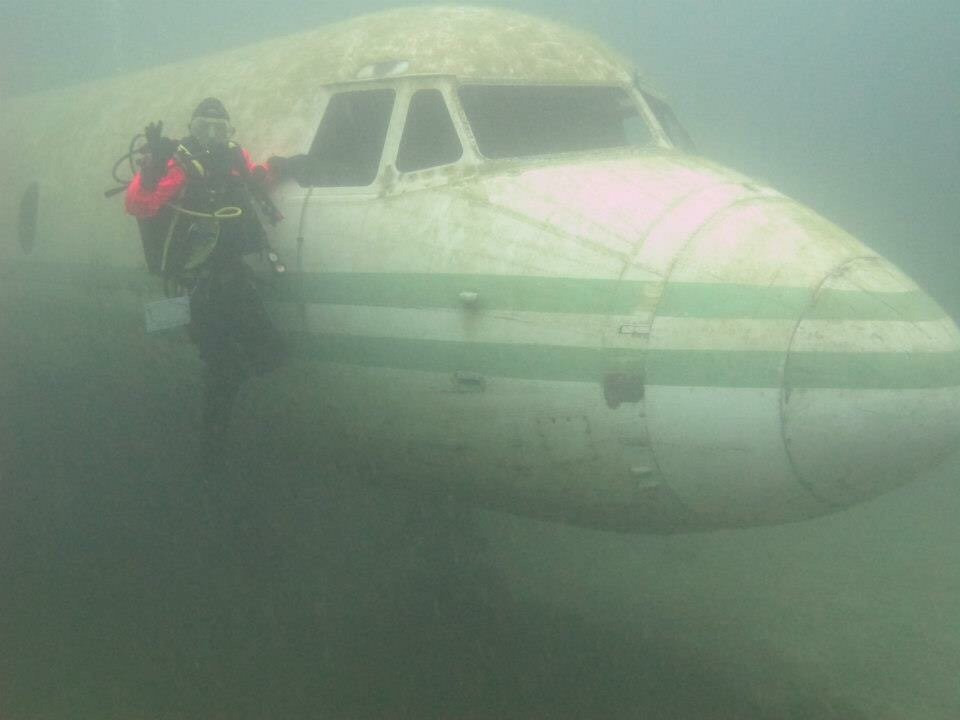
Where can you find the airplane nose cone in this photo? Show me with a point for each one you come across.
(871, 386)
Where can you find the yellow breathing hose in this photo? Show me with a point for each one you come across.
(223, 213)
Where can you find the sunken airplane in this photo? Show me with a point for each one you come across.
(516, 279)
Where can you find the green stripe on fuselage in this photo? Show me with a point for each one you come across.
(525, 293)
(710, 368)
(729, 302)
(912, 306)
(717, 301)
(703, 368)
(895, 371)
(494, 292)
(521, 293)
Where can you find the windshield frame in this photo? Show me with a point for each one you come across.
(658, 138)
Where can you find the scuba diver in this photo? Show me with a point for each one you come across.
(197, 204)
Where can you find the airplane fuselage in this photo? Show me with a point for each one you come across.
(624, 336)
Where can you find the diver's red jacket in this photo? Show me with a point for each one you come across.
(143, 203)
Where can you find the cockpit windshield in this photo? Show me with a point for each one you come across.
(523, 120)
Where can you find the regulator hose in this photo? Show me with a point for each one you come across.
(131, 152)
(223, 213)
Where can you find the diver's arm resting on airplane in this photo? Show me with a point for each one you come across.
(271, 173)
(295, 167)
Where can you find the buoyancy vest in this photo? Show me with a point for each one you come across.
(215, 177)
(216, 180)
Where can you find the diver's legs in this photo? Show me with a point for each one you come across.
(222, 380)
(261, 342)
(212, 313)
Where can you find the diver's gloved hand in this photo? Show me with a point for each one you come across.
(160, 150)
(284, 168)
(153, 133)
(259, 174)
(279, 167)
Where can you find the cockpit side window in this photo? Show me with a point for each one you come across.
(525, 120)
(668, 121)
(349, 143)
(429, 136)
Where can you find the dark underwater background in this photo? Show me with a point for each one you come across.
(137, 583)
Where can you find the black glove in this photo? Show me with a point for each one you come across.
(259, 175)
(279, 166)
(284, 168)
(153, 133)
(160, 150)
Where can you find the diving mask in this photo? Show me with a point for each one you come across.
(211, 131)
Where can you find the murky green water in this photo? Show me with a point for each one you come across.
(139, 581)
